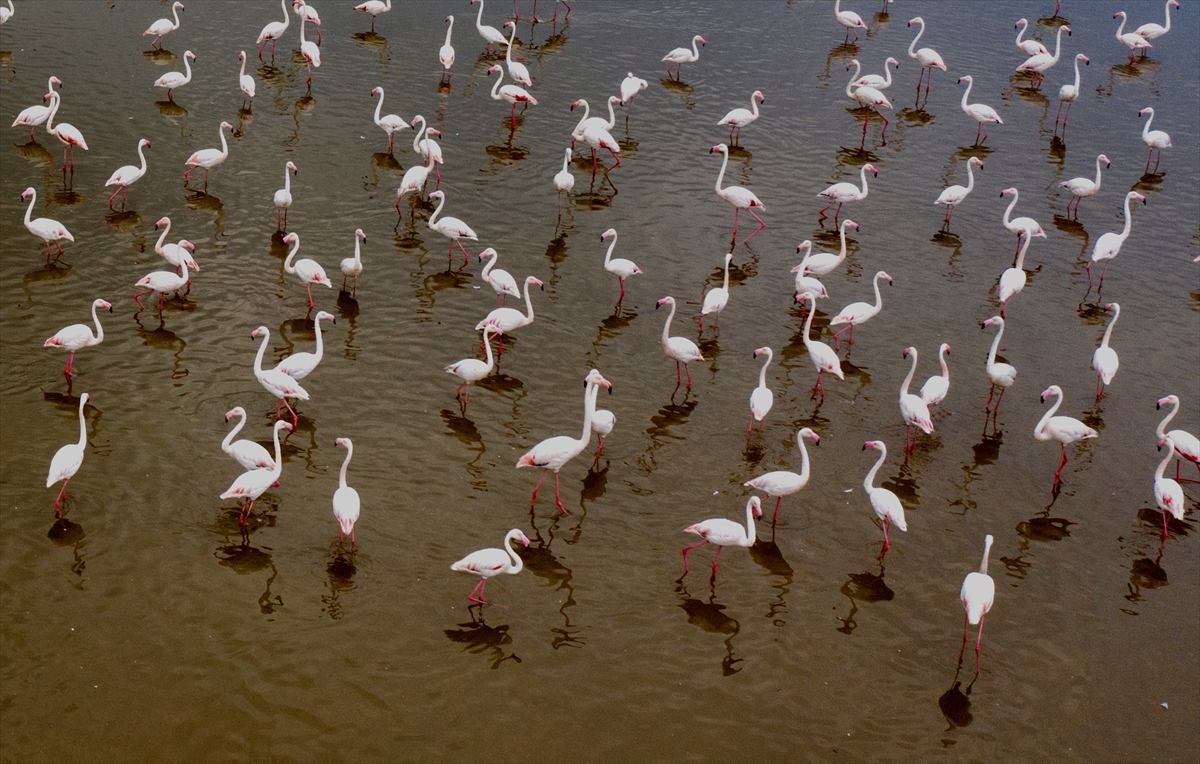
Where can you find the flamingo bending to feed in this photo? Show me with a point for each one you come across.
(78, 336)
(283, 197)
(1002, 375)
(300, 365)
(935, 388)
(1068, 93)
(821, 355)
(564, 181)
(44, 228)
(1167, 492)
(273, 31)
(68, 459)
(840, 193)
(491, 562)
(1013, 279)
(886, 504)
(739, 118)
(172, 80)
(308, 13)
(823, 263)
(248, 486)
(1187, 445)
(247, 453)
(1064, 429)
(69, 135)
(631, 86)
(740, 198)
(1040, 63)
(977, 595)
(553, 453)
(1104, 360)
(276, 382)
(717, 298)
(452, 228)
(781, 482)
(867, 96)
(1155, 139)
(913, 408)
(1108, 246)
(352, 267)
(500, 280)
(375, 7)
(603, 422)
(414, 179)
(309, 49)
(472, 369)
(446, 54)
(849, 19)
(1028, 47)
(928, 58)
(161, 282)
(681, 56)
(518, 71)
(245, 81)
(1154, 31)
(762, 399)
(954, 195)
(724, 533)
(679, 349)
(178, 255)
(490, 34)
(308, 271)
(427, 147)
(164, 26)
(619, 267)
(858, 313)
(1081, 188)
(209, 158)
(346, 504)
(390, 123)
(510, 93)
(510, 319)
(1131, 40)
(981, 113)
(36, 115)
(874, 80)
(1026, 225)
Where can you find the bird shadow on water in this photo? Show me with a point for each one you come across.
(863, 587)
(710, 617)
(65, 533)
(244, 560)
(164, 339)
(660, 430)
(766, 553)
(544, 564)
(339, 571)
(477, 637)
(955, 704)
(35, 152)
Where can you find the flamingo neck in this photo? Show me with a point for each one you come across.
(100, 329)
(870, 478)
(241, 422)
(357, 251)
(725, 283)
(812, 308)
(528, 303)
(487, 346)
(1021, 32)
(589, 408)
(320, 343)
(54, 98)
(175, 13)
(1145, 128)
(970, 177)
(842, 254)
(695, 52)
(1169, 447)
(913, 44)
(612, 117)
(879, 299)
(586, 111)
(287, 180)
(987, 550)
(1166, 29)
(302, 40)
(1128, 219)
(911, 371)
(1025, 239)
(804, 466)
(942, 358)
(850, 84)
(1121, 28)
(762, 376)
(287, 264)
(479, 18)
(566, 160)
(887, 75)
(438, 211)
(611, 247)
(966, 94)
(666, 337)
(1161, 432)
(379, 107)
(450, 29)
(1077, 75)
(224, 145)
(720, 177)
(517, 564)
(508, 48)
(1057, 45)
(496, 88)
(345, 462)
(750, 537)
(991, 361)
(1013, 203)
(29, 210)
(420, 134)
(262, 349)
(162, 237)
(862, 174)
(1107, 332)
(142, 156)
(1097, 173)
(278, 455)
(487, 269)
(1040, 430)
(187, 66)
(82, 423)
(287, 17)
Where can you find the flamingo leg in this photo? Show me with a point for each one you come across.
(837, 336)
(63, 493)
(466, 257)
(295, 418)
(979, 642)
(535, 489)
(1099, 387)
(114, 196)
(678, 376)
(687, 549)
(966, 625)
(761, 225)
(310, 299)
(716, 560)
(1063, 463)
(618, 163)
(1164, 533)
(622, 282)
(778, 501)
(919, 78)
(69, 370)
(1066, 116)
(557, 498)
(1102, 275)
(689, 375)
(736, 212)
(476, 594)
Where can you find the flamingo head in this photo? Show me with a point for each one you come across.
(105, 304)
(914, 21)
(664, 301)
(851, 223)
(874, 171)
(359, 233)
(190, 247)
(700, 39)
(520, 536)
(495, 68)
(719, 147)
(143, 282)
(162, 222)
(976, 161)
(1119, 14)
(27, 192)
(728, 258)
(993, 321)
(326, 315)
(56, 81)
(892, 61)
(909, 350)
(576, 103)
(1104, 159)
(945, 348)
(808, 433)
(285, 425)
(376, 91)
(1168, 400)
(609, 232)
(761, 350)
(758, 94)
(806, 244)
(853, 62)
(966, 78)
(1145, 111)
(189, 54)
(755, 505)
(291, 237)
(292, 166)
(1008, 191)
(1051, 390)
(260, 330)
(872, 444)
(1020, 22)
(1110, 306)
(594, 377)
(227, 126)
(177, 5)
(434, 132)
(1066, 29)
(436, 195)
(882, 275)
(1136, 195)
(235, 411)
(532, 280)
(487, 253)
(449, 18)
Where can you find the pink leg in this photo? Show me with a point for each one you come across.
(838, 334)
(63, 493)
(1063, 463)
(310, 299)
(678, 376)
(557, 498)
(687, 549)
(979, 642)
(114, 196)
(1164, 533)
(466, 257)
(69, 370)
(1101, 286)
(716, 560)
(622, 296)
(778, 501)
(736, 211)
(689, 375)
(761, 225)
(295, 419)
(535, 489)
(966, 625)
(614, 156)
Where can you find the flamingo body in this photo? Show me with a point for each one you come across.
(487, 563)
(68, 459)
(247, 453)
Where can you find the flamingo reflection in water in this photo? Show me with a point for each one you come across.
(711, 617)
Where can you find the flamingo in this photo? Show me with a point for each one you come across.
(310, 51)
(44, 228)
(172, 80)
(858, 312)
(977, 595)
(603, 422)
(1108, 246)
(620, 267)
(177, 255)
(452, 228)
(491, 562)
(1187, 445)
(866, 97)
(1081, 188)
(308, 13)
(283, 197)
(840, 193)
(1026, 225)
(1064, 429)
(954, 195)
(78, 336)
(518, 71)
(913, 408)
(427, 147)
(821, 355)
(500, 280)
(824, 263)
(7, 13)
(276, 382)
(1167, 492)
(981, 113)
(553, 453)
(807, 285)
(762, 399)
(724, 533)
(587, 121)
(352, 267)
(717, 298)
(849, 19)
(935, 388)
(164, 26)
(472, 370)
(739, 118)
(300, 365)
(1028, 47)
(781, 482)
(1013, 279)
(446, 54)
(679, 349)
(886, 504)
(1068, 93)
(1155, 139)
(248, 486)
(681, 56)
(491, 35)
(35, 115)
(1104, 360)
(273, 31)
(1131, 40)
(928, 58)
(209, 158)
(247, 453)
(68, 459)
(510, 319)
(510, 93)
(1154, 31)
(375, 7)
(1039, 64)
(594, 132)
(874, 80)
(245, 81)
(391, 123)
(161, 282)
(1002, 375)
(740, 198)
(631, 86)
(414, 180)
(309, 271)
(68, 134)
(564, 181)
(346, 504)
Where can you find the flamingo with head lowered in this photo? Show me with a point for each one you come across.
(375, 7)
(1012, 281)
(840, 193)
(724, 533)
(44, 228)
(78, 336)
(1064, 429)
(741, 198)
(679, 349)
(781, 482)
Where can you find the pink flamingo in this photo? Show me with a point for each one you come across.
(1167, 492)
(885, 503)
(36, 115)
(68, 459)
(564, 181)
(245, 83)
(511, 93)
(1154, 31)
(741, 198)
(500, 280)
(283, 197)
(1187, 445)
(840, 193)
(472, 369)
(783, 483)
(858, 312)
(875, 80)
(1157, 140)
(679, 349)
(248, 486)
(762, 399)
(300, 365)
(452, 228)
(928, 58)
(375, 7)
(823, 263)
(68, 135)
(346, 504)
(308, 13)
(178, 255)
(390, 123)
(164, 26)
(518, 71)
(1028, 47)
(352, 267)
(1040, 63)
(209, 158)
(78, 336)
(977, 595)
(1104, 360)
(308, 271)
(172, 80)
(980, 112)
(821, 355)
(276, 382)
(1064, 429)
(426, 146)
(446, 54)
(1131, 40)
(309, 49)
(716, 298)
(490, 34)
(44, 228)
(681, 56)
(739, 118)
(913, 409)
(867, 96)
(954, 195)
(491, 562)
(510, 319)
(414, 179)
(247, 453)
(849, 19)
(1068, 93)
(935, 388)
(1026, 225)
(1002, 375)
(1108, 246)
(724, 533)
(273, 31)
(1081, 188)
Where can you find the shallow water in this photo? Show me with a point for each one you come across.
(144, 626)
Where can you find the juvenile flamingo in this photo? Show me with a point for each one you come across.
(375, 7)
(518, 71)
(36, 115)
(283, 197)
(164, 26)
(740, 198)
(913, 409)
(858, 313)
(248, 486)
(273, 31)
(724, 533)
(1104, 360)
(824, 263)
(300, 365)
(276, 382)
(69, 135)
(762, 399)
(1040, 63)
(977, 595)
(716, 298)
(245, 81)
(44, 228)
(954, 195)
(885, 503)
(1108, 246)
(874, 80)
(619, 267)
(981, 113)
(172, 80)
(352, 267)
(452, 228)
(679, 349)
(1155, 139)
(849, 19)
(309, 49)
(1028, 47)
(1002, 375)
(681, 56)
(1187, 445)
(78, 336)
(928, 58)
(490, 34)
(739, 118)
(564, 181)
(308, 271)
(511, 93)
(510, 319)
(783, 483)
(491, 562)
(390, 123)
(68, 459)
(840, 193)
(346, 504)
(1026, 225)
(821, 355)
(935, 388)
(1131, 40)
(1068, 93)
(1154, 31)
(500, 280)
(1012, 281)
(1081, 188)
(472, 369)
(1064, 429)
(1167, 492)
(209, 158)
(866, 97)
(446, 54)
(308, 13)
(247, 453)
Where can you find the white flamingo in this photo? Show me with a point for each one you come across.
(716, 298)
(209, 158)
(867, 97)
(741, 198)
(245, 81)
(913, 409)
(1154, 31)
(283, 197)
(1131, 40)
(414, 179)
(739, 118)
(564, 181)
(511, 93)
(598, 137)
(1002, 375)
(164, 26)
(426, 146)
(1064, 429)
(68, 134)
(1108, 246)
(44, 228)
(375, 7)
(886, 504)
(446, 54)
(68, 459)
(1012, 281)
(858, 313)
(36, 115)
(172, 80)
(518, 71)
(603, 422)
(500, 280)
(631, 86)
(300, 365)
(389, 123)
(928, 58)
(981, 113)
(308, 271)
(977, 595)
(762, 399)
(1104, 360)
(681, 56)
(1081, 188)
(935, 388)
(678, 349)
(1167, 492)
(346, 504)
(491, 562)
(78, 336)
(250, 485)
(1187, 445)
(161, 282)
(352, 267)
(876, 81)
(619, 267)
(179, 254)
(490, 34)
(1040, 63)
(308, 13)
(1157, 140)
(823, 263)
(840, 193)
(247, 453)
(849, 19)
(821, 355)
(510, 319)
(276, 382)
(1068, 93)
(452, 228)
(724, 533)
(587, 121)
(309, 49)
(782, 482)
(954, 195)
(1025, 225)
(472, 369)
(273, 31)
(1028, 47)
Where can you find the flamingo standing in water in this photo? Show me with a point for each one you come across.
(1026, 225)
(821, 355)
(619, 267)
(511, 93)
(564, 181)
(1155, 139)
(1104, 360)
(954, 195)
(375, 7)
(681, 56)
(679, 349)
(491, 562)
(858, 312)
(245, 81)
(1013, 279)
(886, 504)
(178, 255)
(1068, 93)
(36, 115)
(414, 179)
(426, 146)
(500, 280)
(781, 482)
(209, 158)
(739, 118)
(1167, 492)
(724, 533)
(849, 19)
(1187, 445)
(490, 34)
(866, 96)
(248, 486)
(452, 228)
(1040, 63)
(518, 71)
(874, 80)
(1064, 429)
(1081, 188)
(78, 336)
(172, 80)
(1002, 375)
(308, 13)
(981, 113)
(717, 298)
(352, 267)
(310, 51)
(510, 319)
(163, 27)
(70, 137)
(587, 121)
(630, 86)
(1108, 246)
(300, 365)
(1154, 31)
(308, 271)
(390, 123)
(935, 388)
(762, 399)
(913, 408)
(346, 504)
(977, 595)
(603, 422)
(1131, 40)
(283, 197)
(823, 263)
(598, 138)
(472, 369)
(273, 31)
(68, 459)
(161, 282)
(740, 198)
(1028, 47)
(553, 453)
(928, 58)
(276, 382)
(840, 193)
(44, 228)
(446, 54)
(247, 453)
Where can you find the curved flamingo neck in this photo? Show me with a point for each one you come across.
(278, 454)
(913, 44)
(517, 564)
(243, 72)
(589, 408)
(870, 478)
(1161, 432)
(862, 174)
(970, 176)
(496, 88)
(812, 308)
(995, 346)
(438, 211)
(853, 77)
(1076, 75)
(611, 247)
(82, 423)
(479, 18)
(1168, 446)
(1021, 33)
(379, 106)
(287, 18)
(175, 13)
(666, 335)
(233, 433)
(508, 48)
(586, 111)
(1121, 28)
(420, 133)
(487, 269)
(224, 145)
(528, 303)
(966, 94)
(1107, 332)
(100, 329)
(287, 179)
(612, 117)
(1128, 219)
(762, 376)
(1013, 203)
(911, 371)
(720, 177)
(262, 349)
(1057, 44)
(142, 156)
(725, 283)
(29, 210)
(942, 358)
(887, 75)
(487, 346)
(1145, 128)
(162, 237)
(303, 19)
(566, 160)
(320, 343)
(1041, 425)
(804, 465)
(750, 537)
(1097, 173)
(187, 66)
(54, 101)
(1025, 239)
(287, 264)
(879, 300)
(695, 51)
(1166, 29)
(450, 29)
(987, 550)
(345, 463)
